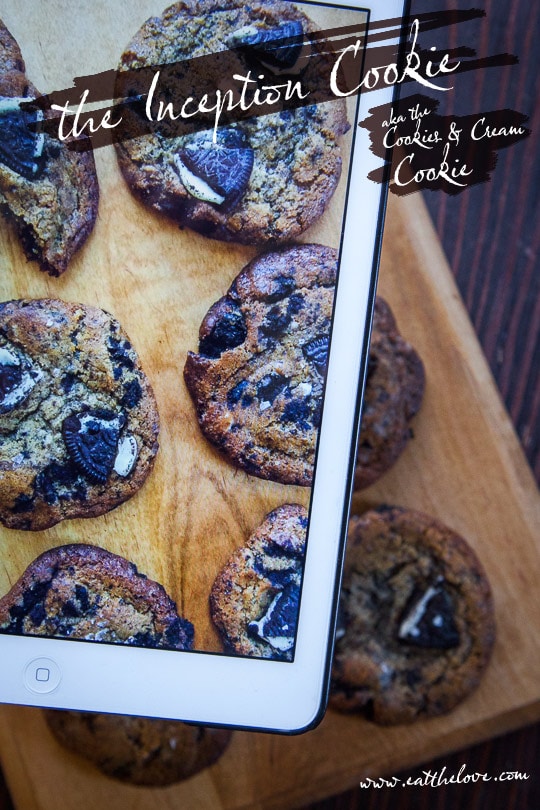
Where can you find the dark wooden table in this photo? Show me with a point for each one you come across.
(491, 237)
(490, 234)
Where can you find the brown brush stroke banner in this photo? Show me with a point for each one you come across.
(235, 74)
(438, 153)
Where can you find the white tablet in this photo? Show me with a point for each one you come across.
(221, 297)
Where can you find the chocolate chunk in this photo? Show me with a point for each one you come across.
(275, 323)
(282, 286)
(235, 394)
(228, 332)
(316, 352)
(91, 438)
(297, 411)
(428, 620)
(118, 350)
(270, 387)
(132, 394)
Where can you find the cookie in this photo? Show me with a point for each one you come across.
(139, 750)
(393, 394)
(85, 592)
(78, 419)
(48, 192)
(254, 599)
(417, 625)
(257, 379)
(266, 178)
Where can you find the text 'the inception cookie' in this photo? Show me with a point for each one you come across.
(254, 599)
(139, 750)
(87, 593)
(417, 620)
(47, 191)
(78, 419)
(257, 380)
(393, 394)
(266, 178)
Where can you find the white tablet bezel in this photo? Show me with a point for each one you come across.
(237, 691)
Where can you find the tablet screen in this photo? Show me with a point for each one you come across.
(162, 379)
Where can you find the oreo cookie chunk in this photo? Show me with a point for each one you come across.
(86, 593)
(393, 395)
(254, 599)
(139, 750)
(263, 179)
(257, 380)
(48, 192)
(417, 625)
(78, 419)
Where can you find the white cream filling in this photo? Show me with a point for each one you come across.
(196, 186)
(126, 455)
(409, 627)
(280, 643)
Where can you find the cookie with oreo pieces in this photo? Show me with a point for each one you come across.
(139, 750)
(84, 592)
(48, 192)
(263, 179)
(255, 598)
(78, 419)
(257, 379)
(417, 624)
(393, 395)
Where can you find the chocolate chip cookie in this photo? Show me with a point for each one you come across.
(154, 753)
(417, 624)
(263, 179)
(254, 599)
(78, 419)
(257, 379)
(85, 592)
(48, 192)
(393, 394)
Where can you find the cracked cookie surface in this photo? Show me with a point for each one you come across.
(284, 167)
(417, 626)
(47, 191)
(393, 395)
(78, 418)
(87, 593)
(139, 750)
(257, 380)
(255, 598)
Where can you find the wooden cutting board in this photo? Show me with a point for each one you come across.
(465, 466)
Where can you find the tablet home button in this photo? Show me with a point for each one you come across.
(42, 675)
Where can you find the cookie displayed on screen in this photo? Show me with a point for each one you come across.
(48, 192)
(139, 750)
(416, 626)
(263, 179)
(393, 395)
(87, 593)
(78, 419)
(255, 598)
(257, 379)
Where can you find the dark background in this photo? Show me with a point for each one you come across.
(490, 234)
